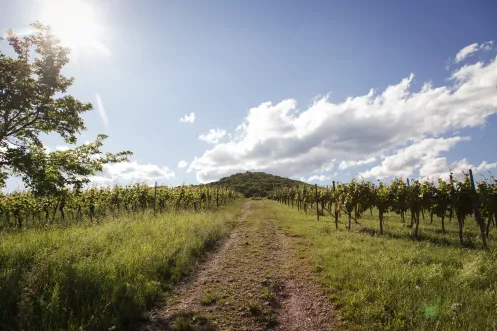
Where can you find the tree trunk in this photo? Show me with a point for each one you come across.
(55, 211)
(47, 214)
(417, 225)
(489, 222)
(336, 216)
(92, 212)
(350, 218)
(412, 219)
(460, 221)
(381, 221)
(19, 221)
(61, 209)
(443, 223)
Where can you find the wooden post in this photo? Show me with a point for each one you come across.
(155, 199)
(477, 210)
(317, 201)
(303, 202)
(335, 201)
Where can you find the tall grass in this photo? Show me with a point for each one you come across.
(103, 276)
(394, 282)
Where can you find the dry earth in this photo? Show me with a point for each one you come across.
(254, 281)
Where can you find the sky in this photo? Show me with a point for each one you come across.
(313, 90)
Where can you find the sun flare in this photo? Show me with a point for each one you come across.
(75, 23)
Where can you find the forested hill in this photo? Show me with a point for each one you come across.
(256, 184)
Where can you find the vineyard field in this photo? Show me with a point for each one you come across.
(464, 201)
(392, 282)
(21, 210)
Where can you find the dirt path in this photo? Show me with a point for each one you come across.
(253, 282)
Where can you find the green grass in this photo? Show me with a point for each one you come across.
(394, 282)
(209, 298)
(103, 276)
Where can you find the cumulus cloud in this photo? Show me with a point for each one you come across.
(406, 160)
(213, 136)
(347, 164)
(131, 172)
(439, 168)
(182, 164)
(466, 51)
(472, 49)
(101, 111)
(188, 118)
(285, 140)
(320, 178)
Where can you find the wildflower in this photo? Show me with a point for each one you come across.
(456, 306)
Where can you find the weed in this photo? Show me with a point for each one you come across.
(209, 298)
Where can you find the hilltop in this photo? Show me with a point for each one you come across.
(256, 184)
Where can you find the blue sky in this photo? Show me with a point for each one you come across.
(158, 61)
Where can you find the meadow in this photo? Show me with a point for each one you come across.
(395, 281)
(101, 276)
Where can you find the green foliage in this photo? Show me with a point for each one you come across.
(29, 210)
(355, 198)
(104, 276)
(33, 101)
(256, 184)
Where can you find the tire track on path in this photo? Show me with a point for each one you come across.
(253, 282)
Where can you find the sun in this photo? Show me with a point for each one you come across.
(75, 23)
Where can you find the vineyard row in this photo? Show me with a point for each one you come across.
(458, 199)
(24, 209)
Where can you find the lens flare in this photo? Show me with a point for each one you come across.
(75, 23)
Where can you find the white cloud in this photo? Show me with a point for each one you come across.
(347, 164)
(320, 178)
(466, 51)
(188, 118)
(101, 111)
(131, 172)
(487, 46)
(472, 49)
(213, 136)
(405, 161)
(440, 168)
(182, 164)
(282, 139)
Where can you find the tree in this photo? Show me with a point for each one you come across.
(34, 100)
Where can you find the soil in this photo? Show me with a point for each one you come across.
(254, 281)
